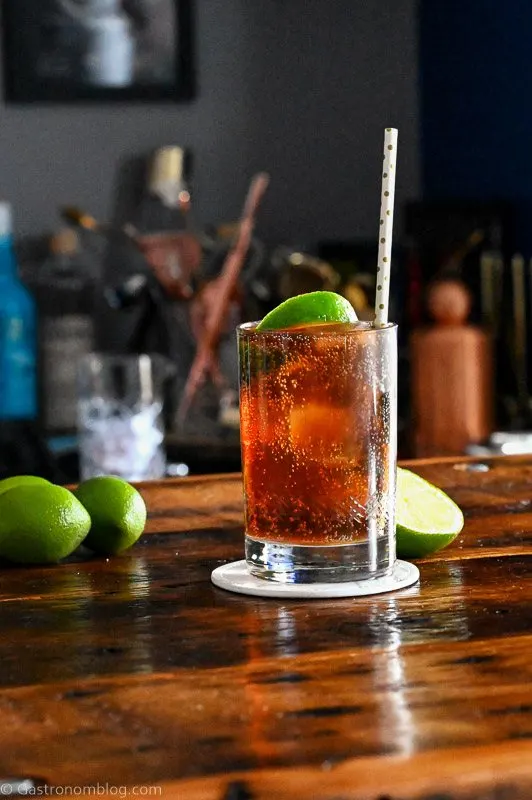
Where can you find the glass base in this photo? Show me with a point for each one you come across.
(284, 563)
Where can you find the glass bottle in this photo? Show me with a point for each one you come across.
(18, 396)
(66, 294)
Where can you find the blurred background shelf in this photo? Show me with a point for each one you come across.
(130, 209)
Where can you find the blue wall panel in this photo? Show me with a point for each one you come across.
(476, 103)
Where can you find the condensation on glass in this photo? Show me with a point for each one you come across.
(318, 430)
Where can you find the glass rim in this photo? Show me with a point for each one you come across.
(248, 329)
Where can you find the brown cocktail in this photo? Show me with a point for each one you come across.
(318, 428)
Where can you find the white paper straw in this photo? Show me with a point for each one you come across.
(386, 227)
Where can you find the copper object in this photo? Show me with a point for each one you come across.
(205, 361)
(452, 376)
(173, 257)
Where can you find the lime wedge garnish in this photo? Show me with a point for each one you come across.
(426, 518)
(314, 308)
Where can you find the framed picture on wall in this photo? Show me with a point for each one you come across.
(65, 51)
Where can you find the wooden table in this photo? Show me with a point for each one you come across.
(137, 671)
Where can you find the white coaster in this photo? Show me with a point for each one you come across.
(235, 577)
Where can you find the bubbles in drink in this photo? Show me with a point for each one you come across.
(314, 436)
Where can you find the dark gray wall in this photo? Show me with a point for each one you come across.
(302, 88)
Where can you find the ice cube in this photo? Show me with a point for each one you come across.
(122, 442)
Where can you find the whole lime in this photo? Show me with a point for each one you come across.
(117, 511)
(40, 524)
(22, 480)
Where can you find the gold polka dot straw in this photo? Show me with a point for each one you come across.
(386, 226)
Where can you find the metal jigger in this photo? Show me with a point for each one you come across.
(518, 406)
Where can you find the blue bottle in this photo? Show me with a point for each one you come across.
(18, 368)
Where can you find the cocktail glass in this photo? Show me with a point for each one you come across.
(318, 430)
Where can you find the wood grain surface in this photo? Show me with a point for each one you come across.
(137, 672)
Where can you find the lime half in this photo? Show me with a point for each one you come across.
(427, 519)
(314, 308)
